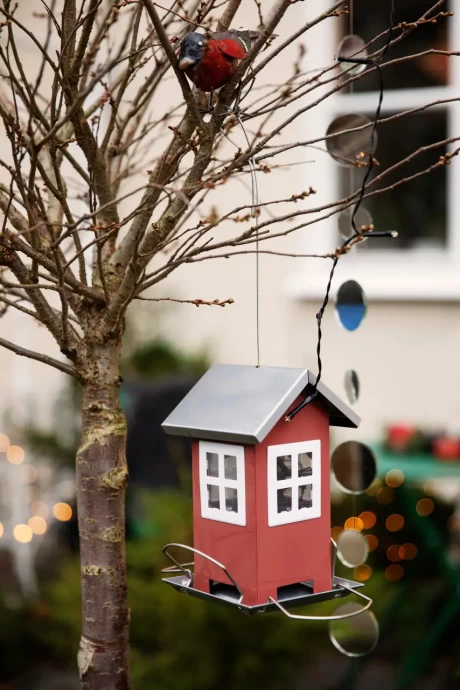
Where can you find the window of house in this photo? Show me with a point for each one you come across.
(222, 482)
(294, 482)
(417, 210)
(423, 210)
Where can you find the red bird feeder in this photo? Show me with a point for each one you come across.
(261, 489)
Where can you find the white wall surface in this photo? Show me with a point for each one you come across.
(406, 353)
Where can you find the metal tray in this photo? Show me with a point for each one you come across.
(289, 597)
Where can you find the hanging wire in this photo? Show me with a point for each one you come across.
(255, 215)
(357, 234)
(352, 88)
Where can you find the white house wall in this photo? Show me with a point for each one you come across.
(406, 353)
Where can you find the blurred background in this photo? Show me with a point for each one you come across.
(405, 358)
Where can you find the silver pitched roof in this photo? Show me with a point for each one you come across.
(242, 404)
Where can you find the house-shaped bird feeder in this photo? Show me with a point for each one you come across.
(261, 489)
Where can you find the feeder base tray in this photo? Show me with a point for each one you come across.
(290, 596)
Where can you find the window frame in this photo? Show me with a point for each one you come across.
(408, 268)
(221, 514)
(296, 514)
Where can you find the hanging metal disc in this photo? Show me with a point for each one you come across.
(349, 148)
(352, 46)
(352, 548)
(354, 466)
(363, 222)
(356, 636)
(351, 305)
(351, 385)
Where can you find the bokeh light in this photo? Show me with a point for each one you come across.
(1, 530)
(37, 524)
(425, 507)
(374, 487)
(408, 551)
(28, 473)
(40, 508)
(354, 523)
(363, 572)
(62, 512)
(15, 455)
(393, 553)
(385, 496)
(394, 478)
(336, 532)
(394, 572)
(429, 487)
(368, 519)
(4, 443)
(23, 534)
(453, 523)
(394, 522)
(372, 541)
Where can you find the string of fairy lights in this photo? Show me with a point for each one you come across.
(353, 547)
(397, 552)
(29, 504)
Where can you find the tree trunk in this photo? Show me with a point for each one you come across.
(103, 658)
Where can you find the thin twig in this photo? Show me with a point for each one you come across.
(197, 302)
(45, 359)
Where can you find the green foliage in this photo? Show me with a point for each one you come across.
(49, 445)
(18, 643)
(155, 358)
(179, 642)
(160, 358)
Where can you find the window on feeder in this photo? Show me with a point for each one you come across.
(294, 482)
(284, 500)
(222, 482)
(284, 467)
(305, 464)
(230, 467)
(305, 499)
(213, 464)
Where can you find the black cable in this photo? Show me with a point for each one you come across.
(356, 233)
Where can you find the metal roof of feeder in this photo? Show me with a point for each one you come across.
(242, 404)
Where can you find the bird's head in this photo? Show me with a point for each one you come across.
(191, 50)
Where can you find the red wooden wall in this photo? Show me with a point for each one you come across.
(263, 558)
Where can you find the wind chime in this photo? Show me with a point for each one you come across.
(260, 451)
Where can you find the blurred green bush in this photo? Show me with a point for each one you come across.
(177, 642)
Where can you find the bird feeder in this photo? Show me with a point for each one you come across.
(261, 490)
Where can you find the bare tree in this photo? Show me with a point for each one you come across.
(79, 244)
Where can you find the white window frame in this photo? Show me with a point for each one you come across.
(296, 514)
(221, 514)
(392, 274)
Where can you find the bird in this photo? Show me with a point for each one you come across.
(210, 60)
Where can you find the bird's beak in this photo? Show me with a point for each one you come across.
(186, 62)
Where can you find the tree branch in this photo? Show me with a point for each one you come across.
(181, 78)
(45, 359)
(227, 17)
(279, 48)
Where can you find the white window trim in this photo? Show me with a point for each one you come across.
(273, 483)
(220, 514)
(415, 274)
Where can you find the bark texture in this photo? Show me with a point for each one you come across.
(103, 658)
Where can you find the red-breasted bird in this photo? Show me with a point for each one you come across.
(210, 60)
